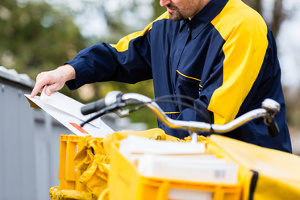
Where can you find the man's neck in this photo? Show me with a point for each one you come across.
(202, 4)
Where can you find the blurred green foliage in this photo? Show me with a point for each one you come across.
(34, 37)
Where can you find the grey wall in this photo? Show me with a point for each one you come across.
(29, 144)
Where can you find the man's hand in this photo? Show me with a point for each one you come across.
(54, 79)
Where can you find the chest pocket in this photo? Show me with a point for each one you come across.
(187, 85)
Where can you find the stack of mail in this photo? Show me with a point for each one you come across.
(177, 160)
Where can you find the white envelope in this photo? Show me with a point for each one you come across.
(67, 111)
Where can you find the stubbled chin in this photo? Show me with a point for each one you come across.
(174, 17)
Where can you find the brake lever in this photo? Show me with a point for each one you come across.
(272, 108)
(272, 127)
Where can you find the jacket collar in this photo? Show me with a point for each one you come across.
(205, 16)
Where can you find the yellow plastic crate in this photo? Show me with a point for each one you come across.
(67, 173)
(126, 183)
(71, 187)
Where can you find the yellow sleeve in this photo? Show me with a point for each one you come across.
(245, 35)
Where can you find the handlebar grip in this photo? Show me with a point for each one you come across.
(272, 127)
(93, 107)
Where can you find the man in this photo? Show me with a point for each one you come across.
(219, 52)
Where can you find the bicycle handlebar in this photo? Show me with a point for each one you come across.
(93, 107)
(117, 100)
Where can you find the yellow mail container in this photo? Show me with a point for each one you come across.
(126, 183)
(263, 174)
(84, 164)
(67, 173)
(81, 174)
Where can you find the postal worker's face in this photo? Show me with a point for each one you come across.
(183, 9)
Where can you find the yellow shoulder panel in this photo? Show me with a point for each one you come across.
(123, 43)
(245, 35)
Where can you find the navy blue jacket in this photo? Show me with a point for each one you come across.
(225, 57)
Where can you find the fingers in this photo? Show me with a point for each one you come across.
(38, 87)
(42, 80)
(52, 88)
(54, 79)
(36, 90)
